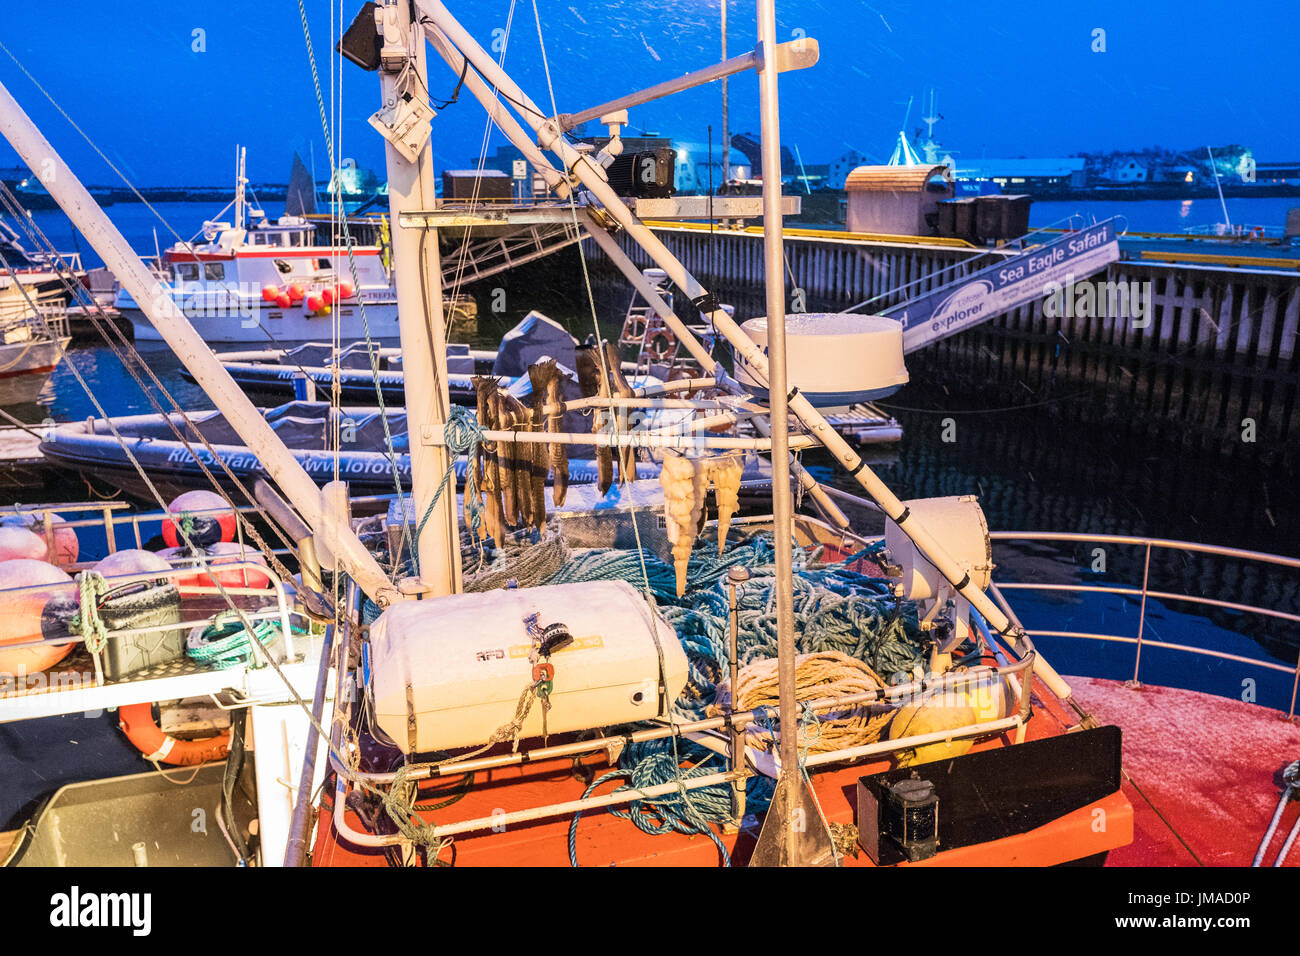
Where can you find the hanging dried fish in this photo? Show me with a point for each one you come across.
(684, 481)
(538, 469)
(508, 409)
(592, 382)
(619, 386)
(490, 470)
(547, 381)
(725, 472)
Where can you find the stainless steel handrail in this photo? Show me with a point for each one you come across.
(1145, 592)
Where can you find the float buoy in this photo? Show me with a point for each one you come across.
(132, 561)
(67, 547)
(32, 615)
(283, 300)
(315, 303)
(327, 295)
(231, 552)
(18, 542)
(270, 293)
(206, 529)
(138, 723)
(346, 291)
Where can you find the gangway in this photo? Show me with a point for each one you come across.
(1013, 281)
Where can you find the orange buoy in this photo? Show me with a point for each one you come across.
(295, 293)
(20, 542)
(206, 529)
(284, 300)
(345, 290)
(315, 303)
(327, 295)
(67, 547)
(231, 552)
(138, 723)
(132, 561)
(28, 616)
(270, 293)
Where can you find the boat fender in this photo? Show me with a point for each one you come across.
(33, 615)
(138, 723)
(67, 547)
(204, 529)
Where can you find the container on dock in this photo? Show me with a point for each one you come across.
(897, 200)
(475, 184)
(957, 218)
(998, 218)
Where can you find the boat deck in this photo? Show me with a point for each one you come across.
(1208, 765)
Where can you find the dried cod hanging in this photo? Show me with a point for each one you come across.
(685, 481)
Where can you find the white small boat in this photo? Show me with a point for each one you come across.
(250, 277)
(32, 344)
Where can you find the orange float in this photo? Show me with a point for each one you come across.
(26, 616)
(141, 728)
(208, 528)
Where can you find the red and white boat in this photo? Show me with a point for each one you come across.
(251, 278)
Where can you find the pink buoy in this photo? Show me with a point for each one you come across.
(19, 542)
(218, 524)
(67, 547)
(231, 552)
(27, 616)
(132, 561)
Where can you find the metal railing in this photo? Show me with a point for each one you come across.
(1143, 593)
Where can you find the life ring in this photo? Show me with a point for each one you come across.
(659, 342)
(137, 722)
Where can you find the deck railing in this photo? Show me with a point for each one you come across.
(1143, 593)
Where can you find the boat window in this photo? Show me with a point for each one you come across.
(214, 270)
(187, 271)
(283, 266)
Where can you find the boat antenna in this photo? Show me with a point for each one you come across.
(794, 832)
(241, 155)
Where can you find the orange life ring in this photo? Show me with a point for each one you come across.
(656, 334)
(137, 722)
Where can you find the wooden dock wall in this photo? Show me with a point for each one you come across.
(1218, 347)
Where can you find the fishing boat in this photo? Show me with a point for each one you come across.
(253, 280)
(33, 339)
(764, 689)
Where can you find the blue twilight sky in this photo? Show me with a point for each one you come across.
(1011, 78)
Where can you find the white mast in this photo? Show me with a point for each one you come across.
(417, 275)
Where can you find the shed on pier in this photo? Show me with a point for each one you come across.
(897, 200)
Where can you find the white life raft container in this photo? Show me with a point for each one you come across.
(448, 672)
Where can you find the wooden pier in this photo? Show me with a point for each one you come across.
(1214, 358)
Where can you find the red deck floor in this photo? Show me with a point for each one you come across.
(1208, 764)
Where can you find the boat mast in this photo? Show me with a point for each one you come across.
(240, 182)
(417, 272)
(726, 103)
(155, 301)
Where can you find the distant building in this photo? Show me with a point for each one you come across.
(693, 174)
(840, 169)
(1126, 170)
(1021, 175)
(1175, 173)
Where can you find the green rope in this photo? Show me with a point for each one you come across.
(227, 645)
(462, 434)
(87, 622)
